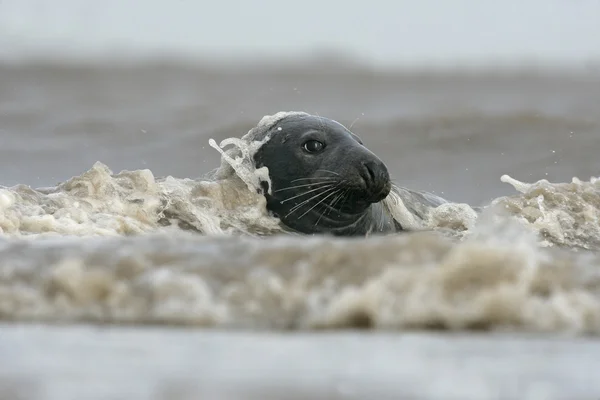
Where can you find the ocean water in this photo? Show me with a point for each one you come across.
(129, 269)
(136, 263)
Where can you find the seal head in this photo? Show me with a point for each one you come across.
(323, 178)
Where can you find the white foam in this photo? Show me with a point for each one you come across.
(133, 202)
(268, 121)
(241, 158)
(564, 214)
(497, 273)
(7, 199)
(244, 164)
(400, 212)
(496, 278)
(518, 185)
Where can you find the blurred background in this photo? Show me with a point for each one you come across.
(451, 95)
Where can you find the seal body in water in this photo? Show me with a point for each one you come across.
(323, 178)
(318, 177)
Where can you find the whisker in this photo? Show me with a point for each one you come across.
(320, 120)
(319, 202)
(323, 213)
(337, 200)
(326, 170)
(298, 206)
(323, 178)
(307, 192)
(352, 124)
(345, 198)
(300, 186)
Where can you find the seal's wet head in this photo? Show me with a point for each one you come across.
(324, 180)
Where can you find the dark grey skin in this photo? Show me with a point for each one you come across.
(324, 180)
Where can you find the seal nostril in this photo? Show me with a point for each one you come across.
(371, 173)
(368, 173)
(376, 180)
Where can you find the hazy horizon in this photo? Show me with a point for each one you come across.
(386, 33)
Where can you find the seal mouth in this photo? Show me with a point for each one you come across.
(372, 192)
(360, 198)
(382, 193)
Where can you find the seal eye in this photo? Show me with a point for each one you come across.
(313, 146)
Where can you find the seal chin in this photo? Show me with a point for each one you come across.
(381, 194)
(360, 199)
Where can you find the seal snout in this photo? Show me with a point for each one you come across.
(376, 178)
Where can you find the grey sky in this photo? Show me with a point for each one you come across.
(407, 32)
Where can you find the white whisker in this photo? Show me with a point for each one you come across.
(336, 200)
(326, 170)
(301, 186)
(324, 178)
(297, 206)
(331, 205)
(345, 199)
(307, 192)
(319, 202)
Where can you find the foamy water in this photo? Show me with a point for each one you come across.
(131, 242)
(131, 248)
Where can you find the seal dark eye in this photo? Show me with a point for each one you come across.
(313, 146)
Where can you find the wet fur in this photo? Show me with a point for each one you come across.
(401, 209)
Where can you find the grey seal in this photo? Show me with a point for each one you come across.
(324, 180)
